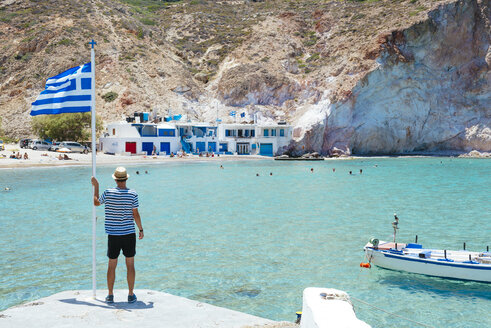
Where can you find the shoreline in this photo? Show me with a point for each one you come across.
(39, 158)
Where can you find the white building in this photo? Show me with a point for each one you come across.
(198, 137)
(138, 138)
(254, 139)
(171, 137)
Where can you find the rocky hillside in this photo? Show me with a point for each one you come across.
(364, 77)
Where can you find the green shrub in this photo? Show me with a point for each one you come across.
(65, 42)
(68, 126)
(110, 96)
(314, 56)
(140, 35)
(148, 21)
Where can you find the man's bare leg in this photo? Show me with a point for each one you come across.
(111, 274)
(130, 274)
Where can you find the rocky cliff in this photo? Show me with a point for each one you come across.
(430, 90)
(377, 77)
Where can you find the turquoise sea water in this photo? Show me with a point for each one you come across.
(253, 244)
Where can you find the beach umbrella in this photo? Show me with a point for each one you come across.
(64, 150)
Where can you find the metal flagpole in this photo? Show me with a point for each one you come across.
(94, 152)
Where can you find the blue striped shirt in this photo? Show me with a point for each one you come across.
(119, 205)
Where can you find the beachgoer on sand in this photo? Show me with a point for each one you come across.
(26, 156)
(121, 214)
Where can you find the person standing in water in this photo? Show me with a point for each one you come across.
(121, 214)
(395, 225)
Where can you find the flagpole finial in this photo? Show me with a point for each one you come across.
(92, 43)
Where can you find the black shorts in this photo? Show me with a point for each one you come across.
(115, 244)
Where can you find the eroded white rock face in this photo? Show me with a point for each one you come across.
(431, 91)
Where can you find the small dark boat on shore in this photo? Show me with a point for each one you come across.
(305, 157)
(279, 158)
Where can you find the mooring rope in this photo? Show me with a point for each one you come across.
(393, 314)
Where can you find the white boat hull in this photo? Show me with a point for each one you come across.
(431, 267)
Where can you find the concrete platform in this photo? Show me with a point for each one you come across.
(153, 309)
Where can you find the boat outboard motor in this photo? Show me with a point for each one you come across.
(374, 242)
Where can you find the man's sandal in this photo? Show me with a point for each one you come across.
(110, 299)
(132, 298)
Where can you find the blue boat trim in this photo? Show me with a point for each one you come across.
(452, 264)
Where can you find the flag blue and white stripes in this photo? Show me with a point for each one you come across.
(67, 92)
(233, 113)
(242, 114)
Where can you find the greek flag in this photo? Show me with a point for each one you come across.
(242, 114)
(233, 113)
(68, 92)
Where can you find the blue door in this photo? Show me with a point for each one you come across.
(212, 146)
(200, 147)
(165, 146)
(148, 147)
(266, 149)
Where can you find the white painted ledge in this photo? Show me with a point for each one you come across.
(153, 309)
(328, 307)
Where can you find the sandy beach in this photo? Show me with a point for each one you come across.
(40, 158)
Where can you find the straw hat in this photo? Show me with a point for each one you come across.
(120, 174)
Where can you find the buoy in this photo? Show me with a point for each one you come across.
(365, 265)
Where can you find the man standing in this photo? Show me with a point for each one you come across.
(121, 212)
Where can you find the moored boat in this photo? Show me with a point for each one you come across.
(412, 257)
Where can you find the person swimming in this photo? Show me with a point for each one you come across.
(270, 173)
(350, 172)
(137, 172)
(221, 166)
(312, 170)
(257, 174)
(361, 171)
